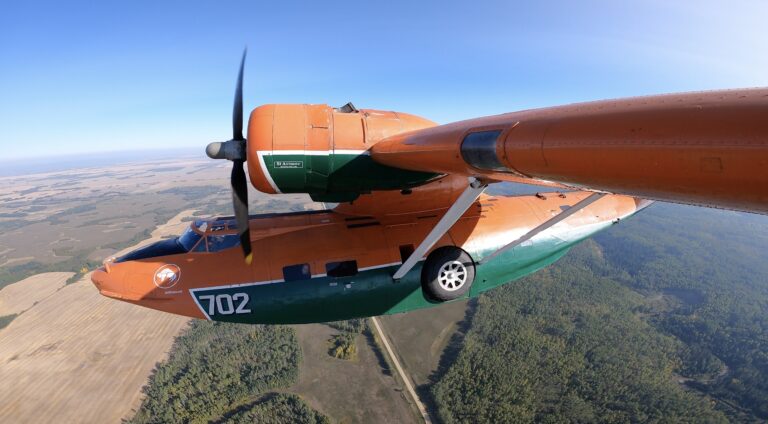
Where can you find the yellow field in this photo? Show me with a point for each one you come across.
(21, 296)
(80, 357)
(76, 356)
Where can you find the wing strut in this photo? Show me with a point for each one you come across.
(464, 201)
(592, 198)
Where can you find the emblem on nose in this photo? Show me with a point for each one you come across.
(167, 276)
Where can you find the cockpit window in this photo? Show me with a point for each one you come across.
(189, 239)
(161, 248)
(222, 241)
(201, 225)
(201, 247)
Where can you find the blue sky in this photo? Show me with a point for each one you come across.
(107, 76)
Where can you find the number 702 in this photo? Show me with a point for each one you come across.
(224, 304)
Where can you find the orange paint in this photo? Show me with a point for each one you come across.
(698, 148)
(706, 148)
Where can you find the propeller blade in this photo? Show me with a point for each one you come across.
(240, 205)
(237, 111)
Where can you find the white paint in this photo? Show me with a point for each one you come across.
(265, 171)
(592, 198)
(563, 231)
(314, 152)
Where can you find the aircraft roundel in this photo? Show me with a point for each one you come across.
(167, 276)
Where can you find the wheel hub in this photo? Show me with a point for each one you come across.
(452, 275)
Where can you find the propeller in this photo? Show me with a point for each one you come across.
(235, 150)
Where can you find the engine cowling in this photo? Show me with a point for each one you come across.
(323, 151)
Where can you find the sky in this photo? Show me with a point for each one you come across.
(101, 76)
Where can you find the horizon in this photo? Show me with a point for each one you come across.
(163, 75)
(10, 167)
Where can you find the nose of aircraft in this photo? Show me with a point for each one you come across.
(106, 283)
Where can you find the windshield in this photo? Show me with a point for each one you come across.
(188, 239)
(222, 241)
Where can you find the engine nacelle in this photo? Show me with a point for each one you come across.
(323, 151)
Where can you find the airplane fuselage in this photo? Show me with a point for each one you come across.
(319, 266)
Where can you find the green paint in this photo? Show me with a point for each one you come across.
(338, 177)
(372, 292)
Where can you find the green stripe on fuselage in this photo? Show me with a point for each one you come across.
(369, 293)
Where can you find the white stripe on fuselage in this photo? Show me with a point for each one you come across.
(314, 152)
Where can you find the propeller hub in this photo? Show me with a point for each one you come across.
(230, 150)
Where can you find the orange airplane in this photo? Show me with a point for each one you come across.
(413, 228)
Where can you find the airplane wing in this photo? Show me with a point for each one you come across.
(706, 148)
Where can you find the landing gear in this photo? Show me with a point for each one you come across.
(448, 274)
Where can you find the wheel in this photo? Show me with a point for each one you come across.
(448, 274)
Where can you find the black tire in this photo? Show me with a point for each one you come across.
(447, 274)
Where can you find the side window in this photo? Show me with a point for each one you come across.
(200, 246)
(296, 272)
(479, 150)
(406, 251)
(222, 241)
(341, 269)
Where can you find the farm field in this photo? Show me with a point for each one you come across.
(66, 220)
(25, 294)
(361, 390)
(74, 355)
(67, 354)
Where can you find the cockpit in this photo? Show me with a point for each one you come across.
(210, 236)
(201, 236)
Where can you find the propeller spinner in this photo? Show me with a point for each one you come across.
(235, 151)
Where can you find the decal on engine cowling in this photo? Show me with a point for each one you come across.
(289, 164)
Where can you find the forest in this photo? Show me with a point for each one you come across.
(716, 264)
(275, 408)
(660, 318)
(226, 372)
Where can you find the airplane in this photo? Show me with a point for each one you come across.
(413, 227)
